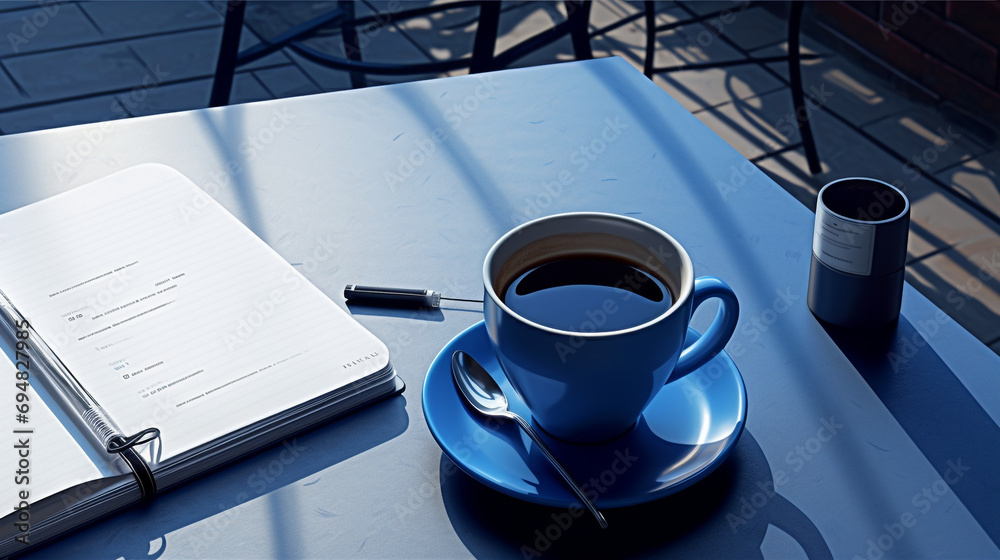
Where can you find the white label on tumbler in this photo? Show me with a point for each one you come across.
(842, 245)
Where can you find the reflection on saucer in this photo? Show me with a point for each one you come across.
(686, 432)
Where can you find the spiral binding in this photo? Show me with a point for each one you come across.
(100, 424)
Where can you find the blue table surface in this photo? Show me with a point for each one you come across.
(856, 445)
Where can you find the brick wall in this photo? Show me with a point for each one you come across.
(949, 47)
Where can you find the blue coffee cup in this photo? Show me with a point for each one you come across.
(588, 385)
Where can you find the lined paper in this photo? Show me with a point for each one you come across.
(172, 313)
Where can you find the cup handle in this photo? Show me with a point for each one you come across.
(717, 335)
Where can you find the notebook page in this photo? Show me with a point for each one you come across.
(52, 459)
(172, 313)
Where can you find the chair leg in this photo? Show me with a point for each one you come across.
(486, 37)
(647, 66)
(225, 68)
(795, 81)
(578, 13)
(352, 47)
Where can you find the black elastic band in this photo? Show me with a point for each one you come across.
(143, 474)
(119, 444)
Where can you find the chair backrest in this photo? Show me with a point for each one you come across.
(482, 58)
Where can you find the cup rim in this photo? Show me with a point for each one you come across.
(686, 280)
(820, 203)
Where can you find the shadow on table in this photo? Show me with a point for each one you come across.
(420, 313)
(945, 421)
(726, 515)
(139, 532)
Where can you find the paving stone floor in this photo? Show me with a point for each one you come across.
(79, 62)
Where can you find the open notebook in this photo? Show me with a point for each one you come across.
(138, 302)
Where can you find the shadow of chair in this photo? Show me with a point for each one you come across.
(483, 57)
(793, 58)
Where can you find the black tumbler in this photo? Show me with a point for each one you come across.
(859, 253)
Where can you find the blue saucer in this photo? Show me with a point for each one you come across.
(685, 433)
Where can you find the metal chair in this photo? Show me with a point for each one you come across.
(482, 58)
(793, 57)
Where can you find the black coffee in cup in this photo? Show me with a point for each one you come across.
(588, 314)
(588, 293)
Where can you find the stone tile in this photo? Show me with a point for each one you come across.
(135, 19)
(445, 35)
(559, 51)
(611, 45)
(44, 27)
(925, 138)
(709, 6)
(628, 41)
(938, 219)
(842, 153)
(268, 19)
(526, 22)
(965, 283)
(689, 44)
(698, 89)
(850, 91)
(199, 55)
(386, 8)
(806, 46)
(790, 171)
(978, 179)
(10, 5)
(9, 95)
(750, 28)
(387, 44)
(380, 44)
(167, 98)
(607, 12)
(80, 111)
(81, 71)
(286, 81)
(328, 79)
(189, 54)
(248, 39)
(757, 125)
(247, 89)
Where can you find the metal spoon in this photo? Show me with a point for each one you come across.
(484, 395)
